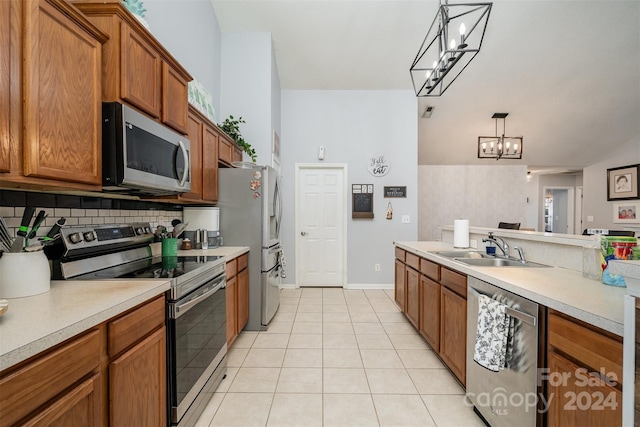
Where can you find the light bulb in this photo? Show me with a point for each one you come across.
(452, 44)
(484, 146)
(463, 29)
(507, 145)
(491, 145)
(515, 147)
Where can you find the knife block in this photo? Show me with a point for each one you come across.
(24, 274)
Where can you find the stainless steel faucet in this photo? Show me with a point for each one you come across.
(500, 243)
(520, 254)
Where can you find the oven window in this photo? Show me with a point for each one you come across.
(152, 154)
(198, 335)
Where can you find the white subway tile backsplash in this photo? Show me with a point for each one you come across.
(91, 212)
(84, 221)
(78, 212)
(97, 220)
(104, 212)
(7, 211)
(62, 212)
(72, 221)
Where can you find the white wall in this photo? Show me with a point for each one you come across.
(485, 195)
(189, 30)
(595, 202)
(352, 125)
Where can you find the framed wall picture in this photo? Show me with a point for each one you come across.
(395, 191)
(626, 212)
(362, 201)
(622, 183)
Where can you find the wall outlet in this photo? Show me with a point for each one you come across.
(590, 218)
(377, 267)
(406, 219)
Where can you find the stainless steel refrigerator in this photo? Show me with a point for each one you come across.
(250, 215)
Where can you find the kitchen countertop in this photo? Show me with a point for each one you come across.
(36, 323)
(557, 288)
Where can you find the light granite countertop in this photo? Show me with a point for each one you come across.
(557, 288)
(36, 323)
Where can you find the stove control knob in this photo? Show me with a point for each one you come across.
(89, 236)
(75, 238)
(147, 230)
(140, 230)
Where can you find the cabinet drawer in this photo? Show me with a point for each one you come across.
(231, 268)
(127, 330)
(413, 261)
(400, 253)
(243, 261)
(36, 383)
(590, 347)
(430, 269)
(455, 281)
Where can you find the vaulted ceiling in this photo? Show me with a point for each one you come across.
(566, 71)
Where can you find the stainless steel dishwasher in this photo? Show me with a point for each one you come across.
(508, 397)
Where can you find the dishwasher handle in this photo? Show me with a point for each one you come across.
(520, 315)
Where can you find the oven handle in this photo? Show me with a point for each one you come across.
(179, 310)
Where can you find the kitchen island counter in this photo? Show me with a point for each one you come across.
(35, 323)
(558, 288)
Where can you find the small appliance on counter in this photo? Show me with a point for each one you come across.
(202, 221)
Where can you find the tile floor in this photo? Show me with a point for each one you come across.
(335, 357)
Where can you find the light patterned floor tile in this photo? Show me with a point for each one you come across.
(337, 328)
(380, 359)
(265, 340)
(420, 359)
(402, 411)
(311, 293)
(368, 328)
(335, 308)
(345, 380)
(236, 356)
(235, 412)
(306, 328)
(360, 308)
(291, 293)
(369, 317)
(244, 340)
(255, 380)
(394, 317)
(435, 381)
(284, 316)
(370, 342)
(341, 358)
(227, 380)
(283, 327)
(309, 306)
(264, 358)
(353, 410)
(294, 410)
(332, 317)
(210, 410)
(309, 317)
(390, 381)
(399, 328)
(339, 341)
(300, 380)
(408, 342)
(452, 411)
(303, 358)
(305, 341)
(287, 308)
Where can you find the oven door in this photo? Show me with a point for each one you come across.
(196, 343)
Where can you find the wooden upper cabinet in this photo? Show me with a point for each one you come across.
(5, 86)
(138, 70)
(210, 164)
(62, 110)
(194, 133)
(225, 150)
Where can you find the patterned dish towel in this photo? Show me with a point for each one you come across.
(493, 334)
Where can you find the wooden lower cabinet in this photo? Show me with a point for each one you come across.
(413, 296)
(400, 284)
(113, 374)
(137, 383)
(453, 332)
(237, 296)
(430, 312)
(243, 298)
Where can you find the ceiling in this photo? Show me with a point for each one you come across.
(566, 71)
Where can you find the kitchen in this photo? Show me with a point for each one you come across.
(304, 110)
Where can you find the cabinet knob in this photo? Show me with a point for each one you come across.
(303, 233)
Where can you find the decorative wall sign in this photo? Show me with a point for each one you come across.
(378, 165)
(623, 183)
(362, 201)
(395, 191)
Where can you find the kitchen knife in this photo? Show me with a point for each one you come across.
(18, 242)
(36, 224)
(55, 229)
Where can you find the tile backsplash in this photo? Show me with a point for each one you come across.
(115, 211)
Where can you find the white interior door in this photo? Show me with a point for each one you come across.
(320, 225)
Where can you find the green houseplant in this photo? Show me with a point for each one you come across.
(231, 127)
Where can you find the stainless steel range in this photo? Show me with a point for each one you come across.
(196, 304)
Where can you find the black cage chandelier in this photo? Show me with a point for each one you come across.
(500, 146)
(442, 56)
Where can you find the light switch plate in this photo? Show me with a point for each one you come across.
(406, 219)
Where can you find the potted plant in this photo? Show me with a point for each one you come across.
(231, 127)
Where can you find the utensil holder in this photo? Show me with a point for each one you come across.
(23, 274)
(170, 247)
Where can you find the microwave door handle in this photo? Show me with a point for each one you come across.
(185, 154)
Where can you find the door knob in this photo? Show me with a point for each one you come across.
(303, 233)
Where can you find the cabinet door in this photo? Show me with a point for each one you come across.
(225, 151)
(174, 99)
(62, 127)
(210, 164)
(243, 298)
(453, 332)
(5, 85)
(237, 155)
(194, 133)
(413, 296)
(580, 399)
(430, 312)
(400, 285)
(78, 407)
(232, 314)
(137, 384)
(140, 72)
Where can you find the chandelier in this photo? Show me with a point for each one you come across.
(442, 57)
(500, 147)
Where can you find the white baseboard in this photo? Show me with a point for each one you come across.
(348, 286)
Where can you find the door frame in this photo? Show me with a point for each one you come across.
(345, 175)
(570, 206)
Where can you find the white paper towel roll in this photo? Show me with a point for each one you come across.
(461, 233)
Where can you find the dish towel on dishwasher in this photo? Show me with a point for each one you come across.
(493, 334)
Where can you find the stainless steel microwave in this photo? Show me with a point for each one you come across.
(141, 156)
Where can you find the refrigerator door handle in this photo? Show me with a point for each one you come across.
(277, 208)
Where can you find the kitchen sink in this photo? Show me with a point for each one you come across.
(463, 254)
(497, 262)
